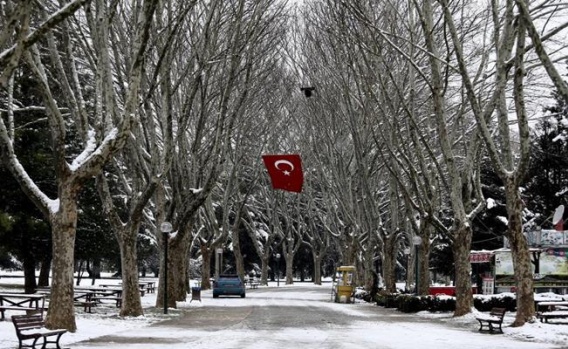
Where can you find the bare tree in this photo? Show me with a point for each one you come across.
(233, 37)
(142, 165)
(102, 130)
(511, 162)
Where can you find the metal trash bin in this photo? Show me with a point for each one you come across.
(195, 294)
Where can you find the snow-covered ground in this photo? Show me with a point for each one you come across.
(384, 334)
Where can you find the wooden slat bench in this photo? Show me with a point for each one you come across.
(493, 320)
(33, 327)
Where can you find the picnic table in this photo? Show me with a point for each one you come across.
(87, 297)
(549, 310)
(550, 305)
(98, 294)
(150, 286)
(142, 285)
(29, 303)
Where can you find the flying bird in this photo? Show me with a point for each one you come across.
(307, 91)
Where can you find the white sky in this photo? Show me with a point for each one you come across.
(364, 332)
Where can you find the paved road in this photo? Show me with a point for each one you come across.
(300, 317)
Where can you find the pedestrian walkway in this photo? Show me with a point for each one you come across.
(304, 318)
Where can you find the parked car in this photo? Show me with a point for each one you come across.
(229, 285)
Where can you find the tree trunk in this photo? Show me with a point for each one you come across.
(96, 270)
(238, 255)
(79, 270)
(29, 273)
(162, 275)
(289, 260)
(264, 269)
(389, 262)
(317, 256)
(205, 267)
(410, 269)
(424, 266)
(521, 256)
(64, 224)
(461, 249)
(131, 303)
(45, 269)
(177, 270)
(368, 266)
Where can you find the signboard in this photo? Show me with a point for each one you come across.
(504, 263)
(544, 237)
(550, 237)
(480, 257)
(552, 261)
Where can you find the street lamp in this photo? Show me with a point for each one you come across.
(218, 262)
(278, 275)
(406, 254)
(166, 228)
(416, 241)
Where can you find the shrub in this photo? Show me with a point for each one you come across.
(497, 301)
(411, 304)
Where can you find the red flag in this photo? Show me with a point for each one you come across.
(560, 225)
(285, 171)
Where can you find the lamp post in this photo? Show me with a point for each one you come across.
(218, 262)
(278, 275)
(416, 241)
(166, 228)
(406, 254)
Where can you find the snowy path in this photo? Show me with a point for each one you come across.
(299, 317)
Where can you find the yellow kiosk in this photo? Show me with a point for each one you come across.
(345, 287)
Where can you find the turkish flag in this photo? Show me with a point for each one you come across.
(285, 171)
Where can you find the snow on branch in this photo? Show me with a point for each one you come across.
(91, 148)
(44, 27)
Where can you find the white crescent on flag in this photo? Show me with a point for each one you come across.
(286, 162)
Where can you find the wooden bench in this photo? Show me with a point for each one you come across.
(493, 320)
(33, 327)
(254, 284)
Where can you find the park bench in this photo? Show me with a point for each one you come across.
(493, 320)
(33, 327)
(252, 282)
